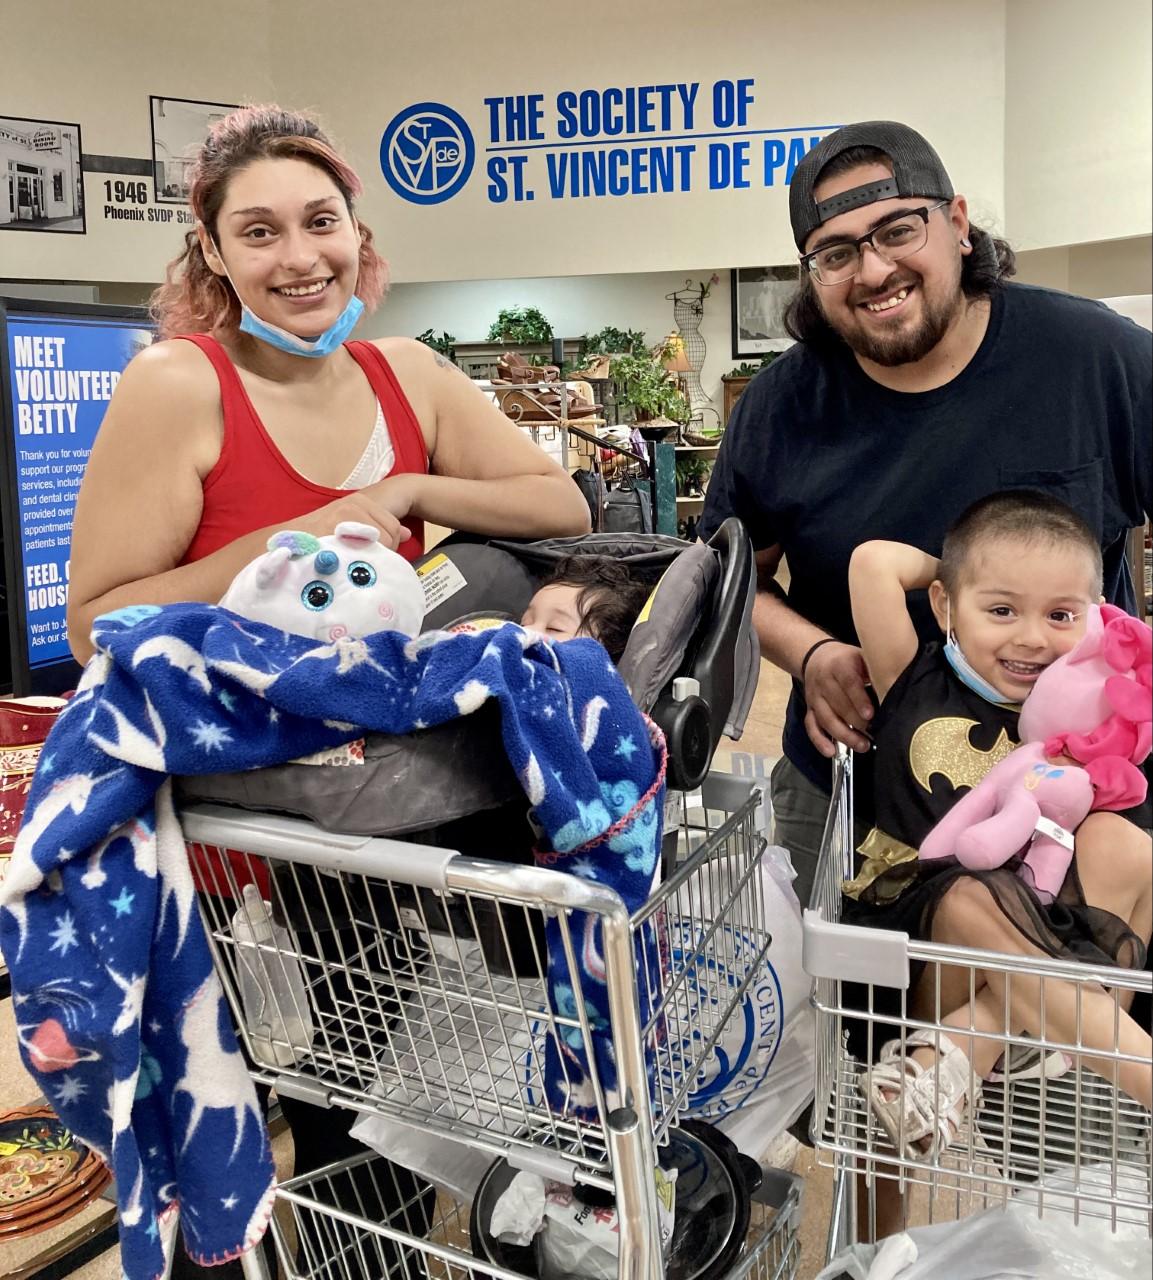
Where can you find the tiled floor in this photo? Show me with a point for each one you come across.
(761, 740)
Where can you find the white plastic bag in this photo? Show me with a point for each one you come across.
(1013, 1244)
(760, 1076)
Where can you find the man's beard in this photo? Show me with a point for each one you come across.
(904, 346)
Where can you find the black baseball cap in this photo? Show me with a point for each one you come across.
(917, 171)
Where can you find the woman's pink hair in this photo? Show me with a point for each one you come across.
(193, 299)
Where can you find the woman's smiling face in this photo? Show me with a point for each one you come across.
(290, 244)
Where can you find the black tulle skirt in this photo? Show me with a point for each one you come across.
(905, 899)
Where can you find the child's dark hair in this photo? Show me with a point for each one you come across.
(609, 600)
(1016, 513)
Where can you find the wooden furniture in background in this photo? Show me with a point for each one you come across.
(733, 388)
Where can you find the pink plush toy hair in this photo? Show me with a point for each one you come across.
(1095, 704)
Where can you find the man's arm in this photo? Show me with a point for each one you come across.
(834, 675)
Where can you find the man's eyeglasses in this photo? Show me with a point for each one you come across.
(895, 238)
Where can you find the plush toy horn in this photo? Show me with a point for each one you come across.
(272, 568)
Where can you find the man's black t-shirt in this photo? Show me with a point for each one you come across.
(819, 458)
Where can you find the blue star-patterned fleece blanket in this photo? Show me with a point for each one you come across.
(119, 1015)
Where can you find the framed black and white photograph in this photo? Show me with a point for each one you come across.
(41, 185)
(179, 126)
(760, 295)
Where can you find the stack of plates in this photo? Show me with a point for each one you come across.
(46, 1174)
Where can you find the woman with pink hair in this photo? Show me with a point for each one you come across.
(256, 413)
(261, 414)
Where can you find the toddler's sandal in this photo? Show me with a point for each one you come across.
(920, 1109)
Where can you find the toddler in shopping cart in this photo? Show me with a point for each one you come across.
(1017, 575)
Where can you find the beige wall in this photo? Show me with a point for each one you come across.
(459, 55)
(1041, 115)
(1046, 267)
(95, 65)
(1113, 269)
(1078, 126)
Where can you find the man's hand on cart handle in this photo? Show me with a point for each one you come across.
(838, 701)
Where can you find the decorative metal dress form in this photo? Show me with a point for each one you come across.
(688, 308)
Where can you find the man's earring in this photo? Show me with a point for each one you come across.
(965, 243)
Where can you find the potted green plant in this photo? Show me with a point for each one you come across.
(520, 325)
(646, 387)
(611, 341)
(692, 472)
(443, 342)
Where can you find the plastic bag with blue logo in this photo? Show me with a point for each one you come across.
(759, 1076)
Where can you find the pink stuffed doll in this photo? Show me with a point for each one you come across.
(1084, 728)
(343, 587)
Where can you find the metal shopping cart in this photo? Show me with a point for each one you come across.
(1053, 1134)
(422, 996)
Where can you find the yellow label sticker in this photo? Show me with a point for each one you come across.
(441, 580)
(643, 616)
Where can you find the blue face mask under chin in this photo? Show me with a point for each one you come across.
(282, 340)
(323, 345)
(964, 671)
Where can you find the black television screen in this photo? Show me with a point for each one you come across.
(60, 364)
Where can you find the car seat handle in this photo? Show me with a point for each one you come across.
(716, 659)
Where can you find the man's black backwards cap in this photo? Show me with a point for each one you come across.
(917, 171)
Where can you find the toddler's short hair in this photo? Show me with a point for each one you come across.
(609, 601)
(1024, 514)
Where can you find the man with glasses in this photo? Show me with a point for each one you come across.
(920, 382)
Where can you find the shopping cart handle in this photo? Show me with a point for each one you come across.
(854, 952)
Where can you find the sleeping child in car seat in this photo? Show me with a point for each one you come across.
(587, 596)
(584, 596)
(188, 689)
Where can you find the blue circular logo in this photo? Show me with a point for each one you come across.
(426, 153)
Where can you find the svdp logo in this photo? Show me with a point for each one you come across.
(426, 153)
(740, 1058)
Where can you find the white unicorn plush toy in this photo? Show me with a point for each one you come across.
(344, 586)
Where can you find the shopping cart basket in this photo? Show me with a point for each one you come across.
(1035, 1131)
(424, 976)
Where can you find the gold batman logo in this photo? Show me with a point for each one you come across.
(942, 746)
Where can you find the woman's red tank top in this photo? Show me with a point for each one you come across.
(253, 485)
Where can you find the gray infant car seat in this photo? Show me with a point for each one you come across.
(697, 625)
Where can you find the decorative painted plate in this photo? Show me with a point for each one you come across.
(41, 1164)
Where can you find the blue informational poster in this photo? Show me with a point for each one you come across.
(61, 368)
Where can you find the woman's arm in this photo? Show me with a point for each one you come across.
(140, 502)
(880, 576)
(487, 476)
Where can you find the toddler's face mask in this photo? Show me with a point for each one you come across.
(964, 670)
